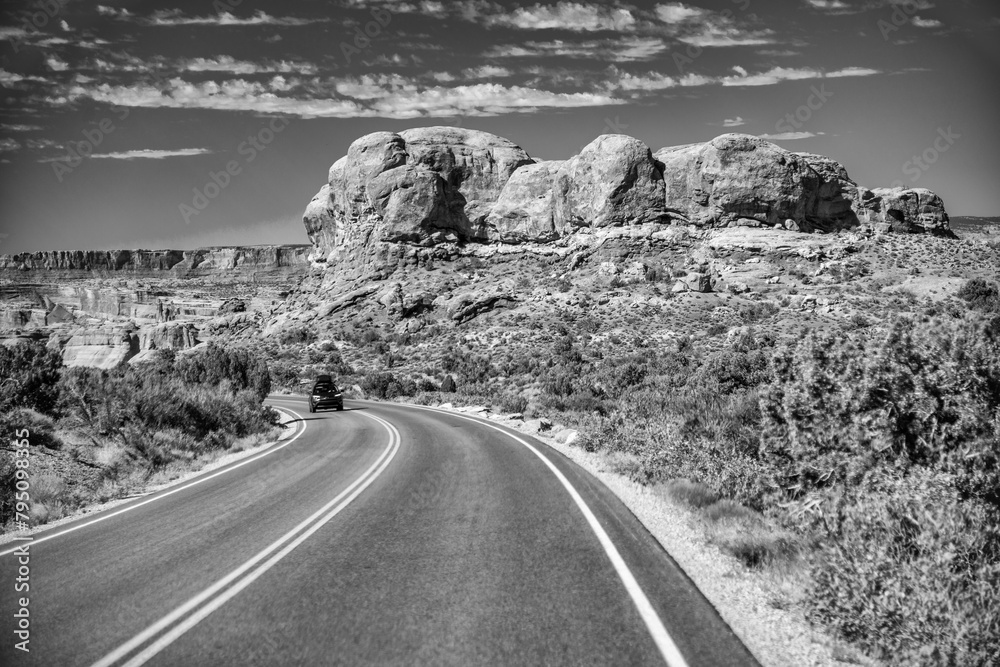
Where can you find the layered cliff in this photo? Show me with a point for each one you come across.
(437, 186)
(218, 262)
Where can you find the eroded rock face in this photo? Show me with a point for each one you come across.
(408, 187)
(524, 210)
(736, 178)
(439, 185)
(613, 181)
(474, 165)
(904, 210)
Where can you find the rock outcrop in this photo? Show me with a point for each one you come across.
(905, 210)
(739, 180)
(438, 186)
(431, 184)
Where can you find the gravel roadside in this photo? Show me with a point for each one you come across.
(778, 637)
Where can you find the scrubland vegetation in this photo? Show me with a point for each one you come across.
(125, 427)
(863, 460)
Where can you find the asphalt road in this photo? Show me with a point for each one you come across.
(380, 535)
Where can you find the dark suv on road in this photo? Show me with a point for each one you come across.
(325, 395)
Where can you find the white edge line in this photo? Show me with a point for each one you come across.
(668, 649)
(194, 602)
(217, 602)
(158, 495)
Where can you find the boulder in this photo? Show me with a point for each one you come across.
(907, 210)
(741, 180)
(524, 210)
(614, 181)
(474, 165)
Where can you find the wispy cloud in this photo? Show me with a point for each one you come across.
(229, 64)
(8, 145)
(175, 17)
(383, 96)
(734, 122)
(833, 6)
(780, 74)
(151, 154)
(625, 49)
(573, 16)
(56, 64)
(20, 127)
(658, 81)
(926, 23)
(790, 136)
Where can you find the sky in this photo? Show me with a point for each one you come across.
(184, 124)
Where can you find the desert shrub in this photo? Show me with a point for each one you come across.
(239, 369)
(755, 312)
(29, 373)
(513, 403)
(911, 572)
(915, 396)
(285, 374)
(296, 335)
(981, 295)
(387, 386)
(891, 446)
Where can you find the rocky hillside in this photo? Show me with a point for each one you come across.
(443, 224)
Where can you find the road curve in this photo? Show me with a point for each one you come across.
(383, 534)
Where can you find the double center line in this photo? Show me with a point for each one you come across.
(161, 634)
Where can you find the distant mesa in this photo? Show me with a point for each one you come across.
(202, 262)
(438, 185)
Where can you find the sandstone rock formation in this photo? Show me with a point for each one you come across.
(438, 186)
(427, 184)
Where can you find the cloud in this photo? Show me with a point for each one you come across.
(656, 81)
(55, 64)
(370, 96)
(8, 145)
(624, 49)
(734, 122)
(175, 17)
(926, 23)
(119, 13)
(572, 16)
(780, 74)
(20, 127)
(151, 154)
(230, 64)
(676, 12)
(790, 136)
(8, 79)
(720, 35)
(833, 6)
(11, 33)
